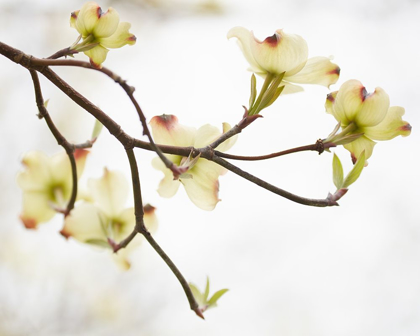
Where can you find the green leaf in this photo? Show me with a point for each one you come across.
(207, 290)
(197, 294)
(271, 94)
(276, 95)
(253, 95)
(356, 171)
(96, 129)
(46, 103)
(216, 296)
(337, 172)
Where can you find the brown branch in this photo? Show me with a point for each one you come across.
(61, 140)
(295, 198)
(142, 229)
(129, 91)
(319, 146)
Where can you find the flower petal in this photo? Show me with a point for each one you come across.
(349, 101)
(36, 208)
(391, 126)
(167, 186)
(36, 176)
(107, 24)
(87, 18)
(317, 70)
(280, 53)
(120, 38)
(73, 18)
(97, 55)
(244, 37)
(110, 192)
(203, 187)
(329, 102)
(356, 147)
(374, 109)
(85, 224)
(206, 135)
(290, 88)
(167, 131)
(225, 146)
(150, 219)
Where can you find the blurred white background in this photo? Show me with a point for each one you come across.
(291, 270)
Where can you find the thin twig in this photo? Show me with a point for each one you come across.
(142, 229)
(295, 198)
(63, 52)
(319, 147)
(62, 141)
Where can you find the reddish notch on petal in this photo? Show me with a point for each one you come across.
(29, 223)
(406, 127)
(99, 12)
(166, 120)
(74, 15)
(330, 97)
(335, 71)
(149, 209)
(363, 93)
(272, 40)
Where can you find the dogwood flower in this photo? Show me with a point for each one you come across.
(359, 112)
(47, 184)
(288, 54)
(201, 181)
(100, 31)
(106, 220)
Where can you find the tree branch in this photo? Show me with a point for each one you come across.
(61, 140)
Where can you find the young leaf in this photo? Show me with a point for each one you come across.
(337, 172)
(253, 91)
(96, 129)
(216, 296)
(207, 290)
(356, 171)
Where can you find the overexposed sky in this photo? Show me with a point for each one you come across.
(291, 270)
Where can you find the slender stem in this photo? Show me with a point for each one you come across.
(63, 52)
(233, 131)
(319, 147)
(69, 148)
(193, 303)
(268, 79)
(141, 228)
(129, 91)
(295, 198)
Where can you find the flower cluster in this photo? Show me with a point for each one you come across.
(47, 185)
(366, 114)
(99, 31)
(201, 181)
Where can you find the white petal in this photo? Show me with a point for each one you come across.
(203, 188)
(225, 146)
(167, 131)
(317, 70)
(206, 135)
(167, 186)
(86, 224)
(36, 176)
(244, 37)
(36, 208)
(110, 192)
(280, 53)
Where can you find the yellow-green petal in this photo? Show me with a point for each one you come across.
(36, 208)
(107, 24)
(358, 146)
(119, 38)
(87, 18)
(374, 109)
(167, 130)
(390, 127)
(349, 101)
(97, 55)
